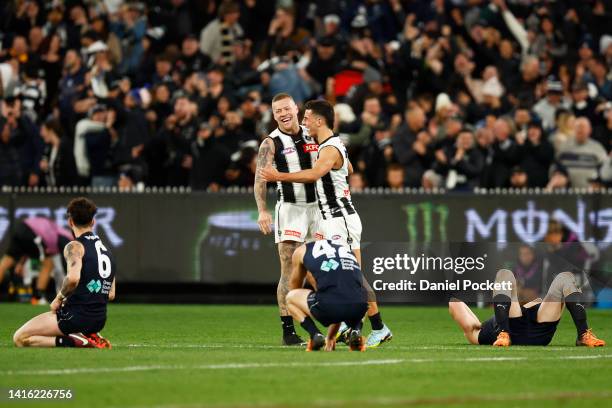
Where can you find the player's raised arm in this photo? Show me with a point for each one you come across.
(265, 158)
(73, 252)
(298, 272)
(329, 157)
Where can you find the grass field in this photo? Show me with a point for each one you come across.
(188, 356)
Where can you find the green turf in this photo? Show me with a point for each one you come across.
(187, 356)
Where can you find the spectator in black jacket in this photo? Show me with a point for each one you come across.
(503, 156)
(462, 163)
(537, 154)
(410, 150)
(57, 165)
(210, 160)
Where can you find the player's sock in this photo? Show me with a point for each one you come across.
(502, 303)
(288, 327)
(376, 321)
(576, 309)
(64, 341)
(309, 326)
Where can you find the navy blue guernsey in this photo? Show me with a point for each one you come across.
(336, 271)
(97, 274)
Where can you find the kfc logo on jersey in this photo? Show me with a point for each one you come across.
(288, 150)
(310, 148)
(347, 192)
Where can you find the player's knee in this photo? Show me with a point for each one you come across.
(20, 339)
(291, 296)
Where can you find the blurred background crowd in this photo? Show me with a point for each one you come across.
(454, 94)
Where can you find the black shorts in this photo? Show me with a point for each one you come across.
(524, 330)
(23, 243)
(74, 319)
(328, 310)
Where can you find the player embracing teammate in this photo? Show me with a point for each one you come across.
(336, 219)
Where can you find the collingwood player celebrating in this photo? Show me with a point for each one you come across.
(290, 149)
(340, 222)
(78, 312)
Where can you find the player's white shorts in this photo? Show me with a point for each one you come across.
(344, 230)
(296, 222)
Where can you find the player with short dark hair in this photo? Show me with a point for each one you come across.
(533, 324)
(78, 312)
(338, 296)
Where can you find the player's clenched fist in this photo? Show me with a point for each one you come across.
(265, 222)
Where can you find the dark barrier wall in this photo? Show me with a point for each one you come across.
(214, 238)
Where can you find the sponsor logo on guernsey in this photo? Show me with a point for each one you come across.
(288, 150)
(336, 237)
(310, 147)
(347, 192)
(293, 233)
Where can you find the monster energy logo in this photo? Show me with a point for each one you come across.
(329, 265)
(427, 211)
(94, 286)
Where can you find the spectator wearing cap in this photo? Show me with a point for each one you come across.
(95, 145)
(217, 38)
(57, 165)
(548, 105)
(537, 154)
(583, 104)
(211, 159)
(582, 156)
(461, 163)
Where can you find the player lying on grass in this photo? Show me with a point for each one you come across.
(533, 324)
(338, 296)
(340, 222)
(78, 312)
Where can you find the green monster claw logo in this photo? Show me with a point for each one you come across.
(428, 210)
(329, 265)
(94, 286)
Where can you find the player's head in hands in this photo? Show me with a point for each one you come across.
(81, 212)
(285, 112)
(318, 118)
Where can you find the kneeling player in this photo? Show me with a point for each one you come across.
(533, 324)
(78, 312)
(338, 296)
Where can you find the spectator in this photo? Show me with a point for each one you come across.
(57, 165)
(461, 163)
(411, 151)
(519, 178)
(503, 155)
(536, 153)
(583, 156)
(210, 160)
(94, 148)
(547, 106)
(565, 128)
(356, 182)
(395, 176)
(217, 38)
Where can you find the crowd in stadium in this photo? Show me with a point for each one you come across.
(453, 94)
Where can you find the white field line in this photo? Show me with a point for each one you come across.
(238, 366)
(386, 347)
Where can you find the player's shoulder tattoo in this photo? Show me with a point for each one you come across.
(73, 250)
(266, 152)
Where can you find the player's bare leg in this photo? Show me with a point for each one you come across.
(41, 331)
(297, 304)
(42, 282)
(466, 319)
(6, 263)
(565, 291)
(506, 305)
(285, 252)
(380, 332)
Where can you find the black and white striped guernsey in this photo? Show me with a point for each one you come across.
(294, 153)
(333, 191)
